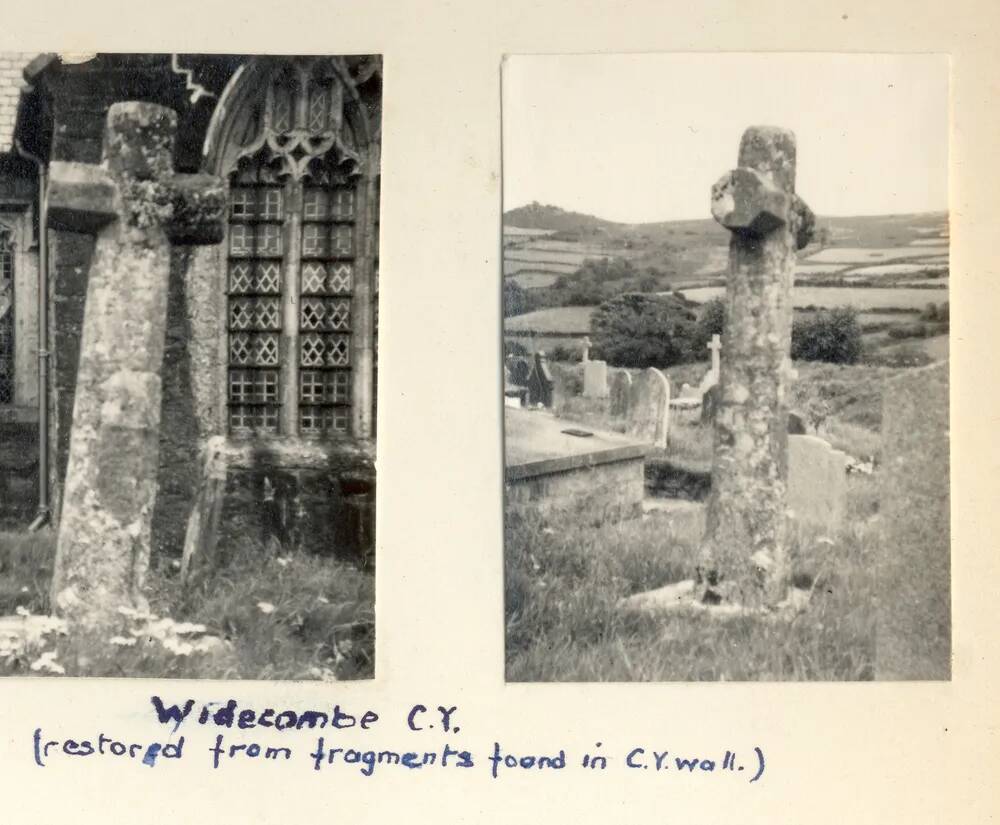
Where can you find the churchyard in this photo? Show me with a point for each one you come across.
(792, 522)
(203, 461)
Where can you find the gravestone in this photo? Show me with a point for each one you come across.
(710, 405)
(595, 379)
(712, 376)
(817, 483)
(585, 346)
(519, 368)
(743, 556)
(137, 207)
(649, 408)
(913, 636)
(796, 424)
(620, 392)
(540, 382)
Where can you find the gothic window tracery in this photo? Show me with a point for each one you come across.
(300, 241)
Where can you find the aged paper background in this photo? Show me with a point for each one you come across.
(856, 753)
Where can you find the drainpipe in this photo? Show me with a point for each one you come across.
(44, 513)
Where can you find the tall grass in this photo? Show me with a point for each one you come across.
(563, 624)
(292, 616)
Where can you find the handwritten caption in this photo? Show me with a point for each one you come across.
(332, 745)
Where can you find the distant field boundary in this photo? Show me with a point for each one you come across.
(530, 333)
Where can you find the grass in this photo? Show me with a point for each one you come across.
(295, 616)
(562, 624)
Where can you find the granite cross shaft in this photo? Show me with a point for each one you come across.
(137, 206)
(743, 557)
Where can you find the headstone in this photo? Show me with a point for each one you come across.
(796, 424)
(595, 379)
(817, 483)
(137, 206)
(715, 345)
(913, 636)
(520, 370)
(711, 378)
(620, 391)
(540, 382)
(743, 556)
(649, 408)
(710, 405)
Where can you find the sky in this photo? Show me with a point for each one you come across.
(637, 138)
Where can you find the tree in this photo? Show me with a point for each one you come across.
(636, 330)
(831, 335)
(711, 321)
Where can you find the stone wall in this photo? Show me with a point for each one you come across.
(598, 493)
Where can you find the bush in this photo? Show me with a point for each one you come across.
(711, 321)
(560, 352)
(831, 335)
(935, 312)
(635, 330)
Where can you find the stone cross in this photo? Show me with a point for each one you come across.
(586, 344)
(715, 346)
(743, 557)
(137, 206)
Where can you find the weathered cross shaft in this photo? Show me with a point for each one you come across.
(137, 206)
(743, 556)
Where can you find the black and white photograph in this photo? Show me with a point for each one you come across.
(189, 258)
(725, 367)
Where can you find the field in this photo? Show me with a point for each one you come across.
(563, 320)
(528, 279)
(861, 298)
(697, 249)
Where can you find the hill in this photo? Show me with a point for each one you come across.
(691, 252)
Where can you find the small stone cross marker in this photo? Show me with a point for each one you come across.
(137, 206)
(715, 346)
(743, 557)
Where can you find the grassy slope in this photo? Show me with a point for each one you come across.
(562, 582)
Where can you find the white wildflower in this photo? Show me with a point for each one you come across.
(182, 628)
(283, 562)
(265, 607)
(322, 600)
(177, 647)
(121, 641)
(47, 662)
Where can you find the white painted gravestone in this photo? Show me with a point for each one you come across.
(595, 379)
